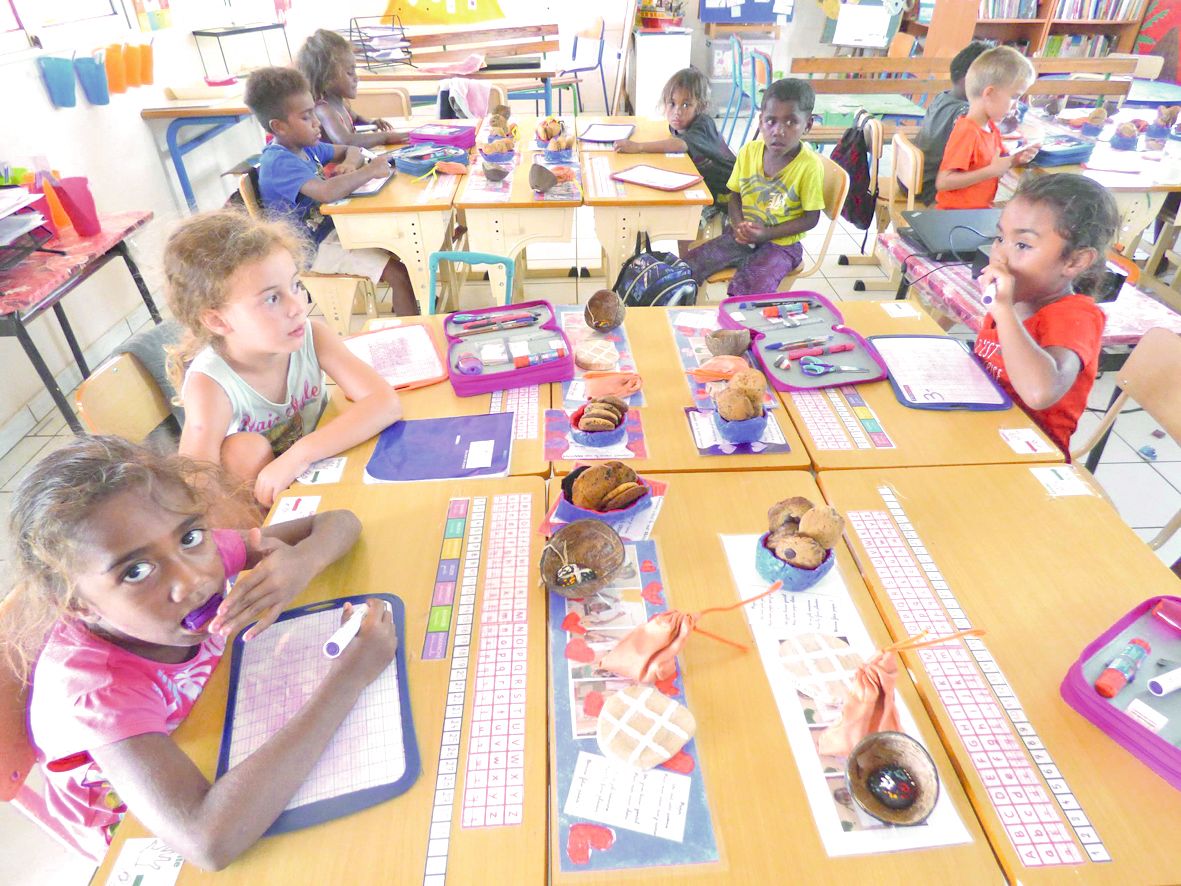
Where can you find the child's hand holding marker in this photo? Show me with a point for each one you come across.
(998, 284)
(262, 593)
(366, 641)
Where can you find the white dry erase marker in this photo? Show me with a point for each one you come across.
(1170, 681)
(989, 295)
(340, 640)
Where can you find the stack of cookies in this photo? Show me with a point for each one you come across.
(796, 548)
(610, 486)
(602, 414)
(743, 398)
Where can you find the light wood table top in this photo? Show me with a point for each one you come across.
(667, 435)
(170, 109)
(921, 437)
(440, 401)
(597, 166)
(761, 817)
(1044, 576)
(520, 197)
(408, 74)
(397, 553)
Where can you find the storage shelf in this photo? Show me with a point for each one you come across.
(1010, 21)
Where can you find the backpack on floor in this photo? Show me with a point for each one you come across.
(655, 279)
(851, 153)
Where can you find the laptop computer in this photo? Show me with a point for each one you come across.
(950, 234)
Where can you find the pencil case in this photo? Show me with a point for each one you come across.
(1063, 150)
(1144, 723)
(798, 317)
(443, 134)
(418, 160)
(483, 354)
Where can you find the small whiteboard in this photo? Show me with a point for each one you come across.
(372, 757)
(863, 25)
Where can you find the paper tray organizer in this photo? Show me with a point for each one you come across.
(822, 319)
(491, 360)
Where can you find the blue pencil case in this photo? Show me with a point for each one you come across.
(417, 160)
(1063, 150)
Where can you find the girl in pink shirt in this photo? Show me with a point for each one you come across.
(124, 605)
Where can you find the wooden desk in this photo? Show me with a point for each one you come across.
(920, 436)
(752, 784)
(440, 401)
(666, 429)
(623, 210)
(647, 129)
(506, 226)
(410, 217)
(388, 842)
(1043, 576)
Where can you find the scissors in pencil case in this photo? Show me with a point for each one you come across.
(816, 366)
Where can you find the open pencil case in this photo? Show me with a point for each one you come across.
(1063, 150)
(418, 160)
(1146, 724)
(510, 346)
(443, 134)
(783, 324)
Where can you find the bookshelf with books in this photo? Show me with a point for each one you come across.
(1066, 28)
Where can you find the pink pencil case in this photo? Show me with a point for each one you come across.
(1146, 724)
(820, 319)
(484, 356)
(443, 134)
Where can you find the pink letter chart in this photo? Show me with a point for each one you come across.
(1027, 790)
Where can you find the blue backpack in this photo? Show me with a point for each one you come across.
(655, 279)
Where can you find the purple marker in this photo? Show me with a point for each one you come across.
(344, 634)
(197, 619)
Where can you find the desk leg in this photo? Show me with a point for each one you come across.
(617, 226)
(71, 339)
(47, 379)
(177, 150)
(133, 269)
(508, 231)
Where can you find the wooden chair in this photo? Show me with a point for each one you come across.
(17, 756)
(335, 295)
(388, 101)
(121, 398)
(1149, 376)
(836, 188)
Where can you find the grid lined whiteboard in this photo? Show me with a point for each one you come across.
(371, 757)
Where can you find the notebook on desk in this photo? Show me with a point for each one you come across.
(950, 234)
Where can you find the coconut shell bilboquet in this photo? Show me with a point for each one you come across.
(540, 178)
(728, 341)
(604, 311)
(581, 558)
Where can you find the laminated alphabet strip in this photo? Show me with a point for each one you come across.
(494, 792)
(839, 418)
(1014, 764)
(522, 403)
(604, 185)
(438, 846)
(611, 816)
(443, 595)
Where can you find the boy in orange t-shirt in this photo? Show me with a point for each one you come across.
(974, 161)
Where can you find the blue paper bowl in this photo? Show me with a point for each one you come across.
(569, 512)
(1091, 130)
(794, 578)
(1125, 142)
(563, 156)
(1154, 131)
(500, 157)
(599, 438)
(747, 431)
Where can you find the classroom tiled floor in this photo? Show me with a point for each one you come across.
(1146, 493)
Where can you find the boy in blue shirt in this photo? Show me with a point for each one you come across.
(292, 182)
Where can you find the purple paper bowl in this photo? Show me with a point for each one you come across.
(794, 578)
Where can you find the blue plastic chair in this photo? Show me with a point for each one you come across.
(758, 60)
(734, 104)
(468, 258)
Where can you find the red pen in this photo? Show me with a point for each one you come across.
(818, 352)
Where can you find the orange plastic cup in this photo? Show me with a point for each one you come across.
(61, 218)
(146, 74)
(131, 64)
(116, 75)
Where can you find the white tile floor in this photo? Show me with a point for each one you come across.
(1146, 493)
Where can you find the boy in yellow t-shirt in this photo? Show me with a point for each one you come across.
(777, 192)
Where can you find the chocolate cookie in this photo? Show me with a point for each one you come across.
(752, 383)
(798, 550)
(736, 406)
(788, 512)
(823, 523)
(622, 496)
(615, 402)
(593, 485)
(595, 423)
(602, 410)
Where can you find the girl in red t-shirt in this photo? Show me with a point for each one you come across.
(1042, 336)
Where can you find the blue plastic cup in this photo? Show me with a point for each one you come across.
(92, 74)
(59, 80)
